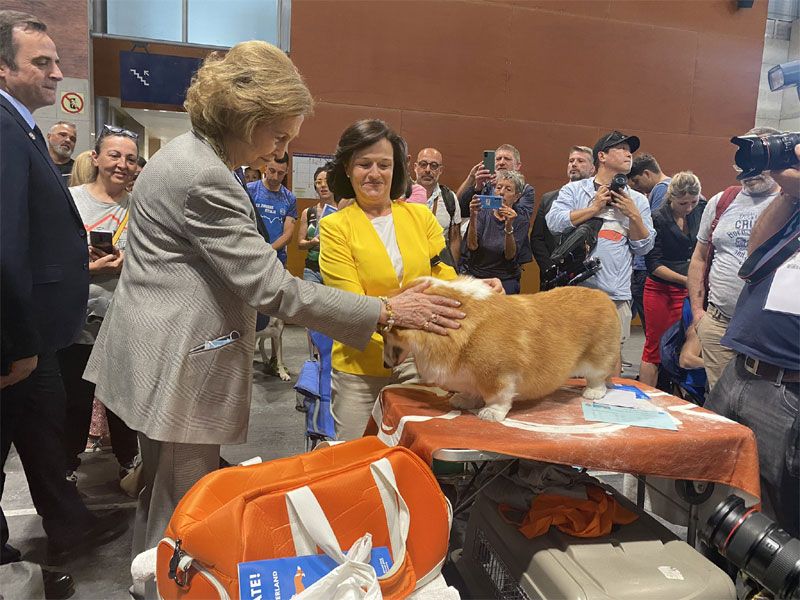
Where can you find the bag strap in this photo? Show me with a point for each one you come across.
(311, 529)
(728, 196)
(120, 229)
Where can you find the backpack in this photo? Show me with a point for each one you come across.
(281, 508)
(453, 230)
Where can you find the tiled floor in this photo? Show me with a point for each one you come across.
(276, 430)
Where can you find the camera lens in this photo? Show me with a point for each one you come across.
(771, 152)
(618, 183)
(755, 544)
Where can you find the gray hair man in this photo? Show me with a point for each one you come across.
(61, 141)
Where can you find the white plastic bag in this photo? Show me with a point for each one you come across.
(354, 579)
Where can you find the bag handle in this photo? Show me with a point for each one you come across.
(311, 529)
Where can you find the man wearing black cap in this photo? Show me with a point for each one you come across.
(627, 228)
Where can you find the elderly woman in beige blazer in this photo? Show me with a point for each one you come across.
(174, 355)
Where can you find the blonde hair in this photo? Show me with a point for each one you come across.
(252, 84)
(683, 183)
(83, 171)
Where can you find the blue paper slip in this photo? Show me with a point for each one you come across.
(282, 578)
(632, 388)
(327, 210)
(654, 419)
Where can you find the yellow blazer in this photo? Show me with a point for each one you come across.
(353, 258)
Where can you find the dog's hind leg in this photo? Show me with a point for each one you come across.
(595, 383)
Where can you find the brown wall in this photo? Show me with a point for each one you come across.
(465, 76)
(68, 24)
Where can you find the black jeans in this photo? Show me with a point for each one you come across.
(32, 418)
(80, 396)
(638, 279)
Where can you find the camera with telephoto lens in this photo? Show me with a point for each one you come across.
(768, 153)
(756, 545)
(618, 183)
(572, 261)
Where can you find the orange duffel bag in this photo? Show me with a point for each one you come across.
(251, 513)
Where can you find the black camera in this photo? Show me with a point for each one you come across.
(571, 257)
(769, 153)
(618, 183)
(756, 545)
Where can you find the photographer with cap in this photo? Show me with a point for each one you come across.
(627, 227)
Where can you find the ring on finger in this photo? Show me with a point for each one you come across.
(434, 318)
(425, 325)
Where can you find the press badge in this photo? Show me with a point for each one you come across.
(216, 343)
(783, 297)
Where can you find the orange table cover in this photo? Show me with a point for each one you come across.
(706, 447)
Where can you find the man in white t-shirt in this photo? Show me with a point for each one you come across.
(729, 240)
(441, 200)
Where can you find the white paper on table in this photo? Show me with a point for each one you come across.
(783, 294)
(625, 399)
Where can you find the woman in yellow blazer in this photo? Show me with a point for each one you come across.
(371, 247)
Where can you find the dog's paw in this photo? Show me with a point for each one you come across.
(594, 393)
(283, 373)
(465, 402)
(493, 412)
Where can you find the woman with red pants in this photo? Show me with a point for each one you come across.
(676, 223)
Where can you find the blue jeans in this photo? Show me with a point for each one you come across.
(771, 411)
(309, 275)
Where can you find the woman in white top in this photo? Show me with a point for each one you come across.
(373, 246)
(103, 205)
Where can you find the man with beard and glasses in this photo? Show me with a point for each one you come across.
(719, 285)
(579, 166)
(60, 145)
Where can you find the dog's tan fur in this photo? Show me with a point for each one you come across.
(514, 347)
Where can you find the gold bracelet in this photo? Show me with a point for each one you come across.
(390, 321)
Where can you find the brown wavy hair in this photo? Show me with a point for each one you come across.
(252, 84)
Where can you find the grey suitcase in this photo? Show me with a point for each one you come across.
(640, 560)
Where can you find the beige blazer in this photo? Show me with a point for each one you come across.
(196, 270)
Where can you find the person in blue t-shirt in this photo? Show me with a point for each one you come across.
(276, 205)
(646, 177)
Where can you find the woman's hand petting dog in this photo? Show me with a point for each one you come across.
(413, 309)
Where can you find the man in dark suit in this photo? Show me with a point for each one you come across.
(44, 289)
(579, 166)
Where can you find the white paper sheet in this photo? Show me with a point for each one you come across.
(784, 293)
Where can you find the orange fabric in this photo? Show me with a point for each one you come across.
(588, 518)
(239, 514)
(706, 447)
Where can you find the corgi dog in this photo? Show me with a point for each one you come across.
(519, 347)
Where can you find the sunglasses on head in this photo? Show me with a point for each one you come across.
(112, 130)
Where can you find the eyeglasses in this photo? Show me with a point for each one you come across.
(112, 130)
(424, 164)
